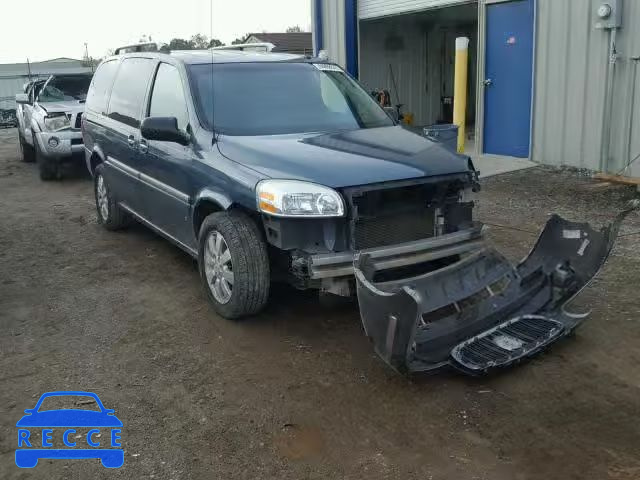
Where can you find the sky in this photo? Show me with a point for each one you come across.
(60, 29)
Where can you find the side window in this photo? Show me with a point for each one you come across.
(97, 96)
(168, 99)
(129, 88)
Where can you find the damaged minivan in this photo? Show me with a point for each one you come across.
(274, 167)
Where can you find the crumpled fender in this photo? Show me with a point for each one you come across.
(483, 313)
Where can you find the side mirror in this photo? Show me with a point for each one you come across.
(22, 98)
(163, 129)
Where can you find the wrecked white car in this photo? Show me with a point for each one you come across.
(49, 120)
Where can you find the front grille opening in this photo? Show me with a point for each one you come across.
(390, 216)
(439, 314)
(473, 300)
(496, 288)
(416, 270)
(499, 287)
(392, 229)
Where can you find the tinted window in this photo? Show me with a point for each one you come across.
(129, 89)
(167, 99)
(277, 98)
(97, 97)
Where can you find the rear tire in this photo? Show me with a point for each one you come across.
(110, 215)
(26, 150)
(48, 167)
(236, 274)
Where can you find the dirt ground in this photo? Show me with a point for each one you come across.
(298, 392)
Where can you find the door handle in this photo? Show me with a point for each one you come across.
(131, 140)
(488, 82)
(143, 146)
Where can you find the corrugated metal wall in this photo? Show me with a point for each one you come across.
(570, 85)
(380, 8)
(409, 63)
(333, 30)
(422, 63)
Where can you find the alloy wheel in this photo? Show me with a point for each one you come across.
(103, 198)
(218, 267)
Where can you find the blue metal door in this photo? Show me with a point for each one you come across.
(508, 78)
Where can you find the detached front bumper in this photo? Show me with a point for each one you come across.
(482, 313)
(60, 144)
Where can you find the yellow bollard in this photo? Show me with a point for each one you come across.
(460, 89)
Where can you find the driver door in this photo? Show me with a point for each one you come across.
(165, 166)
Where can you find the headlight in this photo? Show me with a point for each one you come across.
(56, 122)
(292, 198)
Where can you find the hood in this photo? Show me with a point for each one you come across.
(72, 106)
(344, 159)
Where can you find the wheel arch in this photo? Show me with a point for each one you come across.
(207, 202)
(96, 158)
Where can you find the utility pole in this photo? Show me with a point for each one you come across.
(86, 55)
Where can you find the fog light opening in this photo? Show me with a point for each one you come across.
(53, 142)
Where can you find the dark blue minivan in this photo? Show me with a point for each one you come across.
(270, 167)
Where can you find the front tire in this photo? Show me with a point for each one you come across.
(110, 215)
(233, 264)
(48, 167)
(26, 150)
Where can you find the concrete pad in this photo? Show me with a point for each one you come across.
(490, 165)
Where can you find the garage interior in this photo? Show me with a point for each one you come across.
(413, 57)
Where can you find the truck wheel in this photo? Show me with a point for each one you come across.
(110, 215)
(233, 263)
(48, 167)
(26, 150)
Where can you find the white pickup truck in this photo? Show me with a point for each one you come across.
(49, 120)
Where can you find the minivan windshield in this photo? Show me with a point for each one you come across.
(279, 98)
(65, 88)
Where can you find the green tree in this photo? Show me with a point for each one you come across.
(180, 44)
(199, 41)
(294, 29)
(214, 42)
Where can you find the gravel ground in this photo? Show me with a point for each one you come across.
(298, 392)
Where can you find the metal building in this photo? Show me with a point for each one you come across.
(553, 81)
(14, 75)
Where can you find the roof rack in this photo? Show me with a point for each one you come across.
(140, 47)
(254, 47)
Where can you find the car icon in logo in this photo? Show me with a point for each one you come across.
(103, 438)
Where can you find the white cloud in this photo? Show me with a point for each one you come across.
(43, 29)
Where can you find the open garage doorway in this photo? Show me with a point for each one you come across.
(413, 56)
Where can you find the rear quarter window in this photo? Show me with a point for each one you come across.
(129, 89)
(98, 94)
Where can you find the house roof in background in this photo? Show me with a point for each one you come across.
(295, 42)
